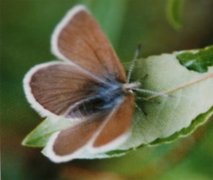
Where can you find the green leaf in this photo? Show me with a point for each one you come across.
(186, 104)
(198, 61)
(198, 121)
(40, 135)
(166, 119)
(173, 13)
(189, 96)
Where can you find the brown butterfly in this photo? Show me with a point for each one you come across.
(89, 87)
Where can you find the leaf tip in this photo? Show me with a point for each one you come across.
(26, 142)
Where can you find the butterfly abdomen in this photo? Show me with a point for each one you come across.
(104, 98)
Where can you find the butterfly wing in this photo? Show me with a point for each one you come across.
(103, 132)
(79, 39)
(54, 88)
(117, 124)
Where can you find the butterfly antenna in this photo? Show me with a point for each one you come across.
(146, 91)
(136, 57)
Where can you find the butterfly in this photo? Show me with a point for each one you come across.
(89, 86)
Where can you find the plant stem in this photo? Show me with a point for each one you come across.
(181, 86)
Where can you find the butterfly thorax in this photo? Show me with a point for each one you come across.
(103, 98)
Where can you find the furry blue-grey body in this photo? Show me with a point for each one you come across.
(102, 98)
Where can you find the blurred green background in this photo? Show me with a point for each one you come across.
(26, 27)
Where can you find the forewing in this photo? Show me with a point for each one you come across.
(106, 130)
(52, 88)
(116, 126)
(79, 39)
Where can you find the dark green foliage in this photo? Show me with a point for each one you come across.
(174, 10)
(197, 61)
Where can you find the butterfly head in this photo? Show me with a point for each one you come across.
(129, 87)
